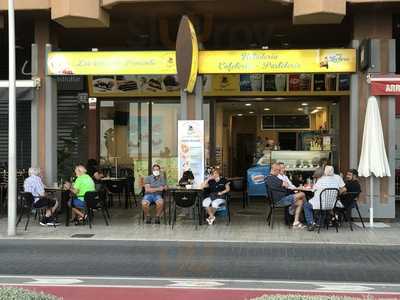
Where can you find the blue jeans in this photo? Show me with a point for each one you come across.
(308, 213)
(286, 201)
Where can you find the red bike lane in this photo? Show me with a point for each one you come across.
(162, 293)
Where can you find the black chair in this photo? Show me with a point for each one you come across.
(349, 201)
(225, 210)
(327, 203)
(27, 207)
(115, 187)
(141, 195)
(93, 202)
(273, 205)
(185, 199)
(238, 185)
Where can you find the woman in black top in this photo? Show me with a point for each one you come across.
(217, 186)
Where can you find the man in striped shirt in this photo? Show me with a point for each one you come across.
(34, 185)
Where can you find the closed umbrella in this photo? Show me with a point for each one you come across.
(373, 160)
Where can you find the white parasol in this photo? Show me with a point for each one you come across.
(373, 160)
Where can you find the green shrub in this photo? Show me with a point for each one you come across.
(7, 293)
(305, 297)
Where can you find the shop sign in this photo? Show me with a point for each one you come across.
(191, 149)
(385, 86)
(278, 61)
(187, 55)
(111, 63)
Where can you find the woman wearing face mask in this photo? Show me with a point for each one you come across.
(218, 186)
(154, 185)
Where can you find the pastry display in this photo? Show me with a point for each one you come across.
(103, 84)
(126, 86)
(170, 83)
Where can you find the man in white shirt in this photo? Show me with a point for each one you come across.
(282, 176)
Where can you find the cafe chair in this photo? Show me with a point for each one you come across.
(95, 202)
(164, 215)
(238, 185)
(27, 208)
(328, 200)
(273, 206)
(349, 200)
(115, 187)
(185, 199)
(225, 210)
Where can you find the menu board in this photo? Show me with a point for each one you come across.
(191, 149)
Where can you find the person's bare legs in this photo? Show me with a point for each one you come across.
(146, 208)
(298, 200)
(77, 212)
(211, 212)
(159, 207)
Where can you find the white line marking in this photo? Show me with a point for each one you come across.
(171, 279)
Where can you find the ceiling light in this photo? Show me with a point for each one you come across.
(239, 115)
(300, 109)
(248, 104)
(304, 104)
(315, 111)
(319, 107)
(251, 112)
(267, 108)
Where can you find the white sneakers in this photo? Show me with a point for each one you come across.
(210, 220)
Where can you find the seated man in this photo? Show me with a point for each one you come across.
(154, 185)
(284, 197)
(34, 185)
(282, 176)
(217, 187)
(83, 184)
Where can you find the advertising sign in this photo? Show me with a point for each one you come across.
(111, 63)
(191, 149)
(385, 86)
(277, 61)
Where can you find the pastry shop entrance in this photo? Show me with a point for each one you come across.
(255, 132)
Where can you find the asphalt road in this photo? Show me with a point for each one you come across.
(341, 263)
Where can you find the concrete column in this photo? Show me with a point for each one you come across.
(35, 112)
(192, 104)
(51, 127)
(376, 25)
(353, 122)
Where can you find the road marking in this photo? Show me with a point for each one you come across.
(196, 283)
(51, 281)
(344, 288)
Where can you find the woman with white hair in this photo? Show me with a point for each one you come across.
(34, 185)
(328, 181)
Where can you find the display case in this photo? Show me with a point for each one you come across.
(299, 160)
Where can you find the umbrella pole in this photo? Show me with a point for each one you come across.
(371, 209)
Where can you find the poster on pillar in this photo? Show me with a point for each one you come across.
(191, 149)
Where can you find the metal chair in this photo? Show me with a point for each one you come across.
(327, 201)
(349, 201)
(115, 187)
(27, 201)
(225, 210)
(273, 205)
(239, 185)
(93, 202)
(185, 199)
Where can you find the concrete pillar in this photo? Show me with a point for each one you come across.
(353, 122)
(376, 25)
(192, 104)
(42, 37)
(35, 112)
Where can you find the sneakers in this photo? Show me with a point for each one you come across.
(298, 225)
(311, 227)
(148, 220)
(157, 220)
(49, 221)
(43, 221)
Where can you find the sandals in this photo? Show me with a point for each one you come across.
(298, 225)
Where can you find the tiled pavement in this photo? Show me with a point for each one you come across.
(248, 225)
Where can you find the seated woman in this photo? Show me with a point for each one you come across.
(328, 180)
(217, 186)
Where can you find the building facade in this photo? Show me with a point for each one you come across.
(132, 119)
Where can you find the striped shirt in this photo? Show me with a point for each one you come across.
(34, 185)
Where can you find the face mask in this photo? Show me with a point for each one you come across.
(217, 178)
(156, 173)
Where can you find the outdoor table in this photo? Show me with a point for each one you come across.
(124, 183)
(197, 191)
